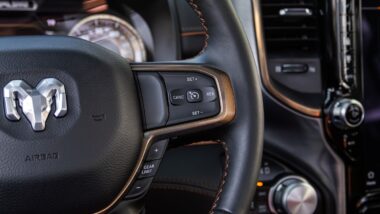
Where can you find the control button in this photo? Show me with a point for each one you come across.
(178, 97)
(347, 113)
(149, 169)
(371, 175)
(175, 80)
(209, 94)
(261, 194)
(139, 187)
(154, 99)
(196, 111)
(262, 208)
(354, 114)
(194, 96)
(294, 68)
(371, 179)
(157, 150)
(270, 170)
(350, 144)
(293, 194)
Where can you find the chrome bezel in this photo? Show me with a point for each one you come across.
(138, 47)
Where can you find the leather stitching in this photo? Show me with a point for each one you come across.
(225, 174)
(203, 22)
(186, 181)
(184, 188)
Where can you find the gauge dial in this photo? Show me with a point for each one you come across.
(112, 33)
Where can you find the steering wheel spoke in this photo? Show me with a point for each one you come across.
(177, 99)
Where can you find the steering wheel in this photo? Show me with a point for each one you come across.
(88, 155)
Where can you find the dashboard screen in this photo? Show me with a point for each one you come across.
(371, 71)
(371, 66)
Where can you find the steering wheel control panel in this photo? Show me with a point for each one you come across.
(148, 169)
(170, 98)
(280, 190)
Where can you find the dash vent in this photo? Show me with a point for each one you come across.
(290, 26)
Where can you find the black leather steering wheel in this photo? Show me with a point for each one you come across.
(87, 160)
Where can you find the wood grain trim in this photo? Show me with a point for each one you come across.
(314, 112)
(227, 114)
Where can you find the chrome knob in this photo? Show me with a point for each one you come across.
(347, 113)
(293, 195)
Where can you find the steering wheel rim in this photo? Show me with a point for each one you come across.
(243, 136)
(226, 57)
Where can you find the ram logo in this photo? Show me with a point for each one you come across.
(35, 102)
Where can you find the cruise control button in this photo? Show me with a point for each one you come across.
(195, 111)
(174, 80)
(139, 187)
(209, 94)
(194, 96)
(157, 150)
(149, 169)
(178, 97)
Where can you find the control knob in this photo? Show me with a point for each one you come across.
(293, 195)
(347, 113)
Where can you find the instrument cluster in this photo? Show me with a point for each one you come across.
(111, 31)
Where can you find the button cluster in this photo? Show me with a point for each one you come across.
(183, 97)
(192, 96)
(269, 172)
(149, 169)
(170, 98)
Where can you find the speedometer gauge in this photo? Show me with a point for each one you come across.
(112, 33)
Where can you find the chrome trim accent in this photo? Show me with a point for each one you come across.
(35, 103)
(137, 43)
(18, 5)
(302, 181)
(339, 113)
(267, 83)
(295, 12)
(342, 20)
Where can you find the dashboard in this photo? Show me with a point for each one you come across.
(97, 23)
(319, 69)
(319, 59)
(130, 30)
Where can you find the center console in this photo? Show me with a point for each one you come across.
(352, 107)
(281, 189)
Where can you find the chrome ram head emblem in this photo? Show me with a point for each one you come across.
(35, 103)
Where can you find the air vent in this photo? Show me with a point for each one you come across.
(290, 26)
